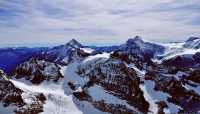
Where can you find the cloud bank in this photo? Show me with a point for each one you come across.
(97, 21)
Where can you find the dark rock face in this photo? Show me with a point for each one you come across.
(132, 59)
(34, 108)
(196, 57)
(113, 108)
(168, 83)
(114, 76)
(161, 105)
(194, 76)
(37, 71)
(9, 93)
(186, 61)
(12, 96)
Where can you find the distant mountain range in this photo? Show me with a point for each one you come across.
(132, 78)
(166, 53)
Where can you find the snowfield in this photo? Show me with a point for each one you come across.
(59, 95)
(57, 101)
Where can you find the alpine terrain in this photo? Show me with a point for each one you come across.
(137, 77)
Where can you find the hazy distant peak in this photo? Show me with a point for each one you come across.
(192, 39)
(74, 43)
(135, 40)
(193, 42)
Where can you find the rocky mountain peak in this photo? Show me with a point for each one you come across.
(136, 46)
(136, 40)
(74, 43)
(192, 42)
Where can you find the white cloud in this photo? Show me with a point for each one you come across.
(97, 21)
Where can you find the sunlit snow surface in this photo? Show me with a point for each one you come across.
(175, 49)
(57, 101)
(87, 50)
(97, 56)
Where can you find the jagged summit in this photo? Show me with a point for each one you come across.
(192, 42)
(60, 52)
(136, 39)
(74, 43)
(192, 39)
(138, 46)
(135, 42)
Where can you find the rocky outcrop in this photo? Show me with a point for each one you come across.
(179, 61)
(194, 76)
(175, 85)
(9, 93)
(13, 96)
(186, 61)
(115, 77)
(132, 59)
(38, 71)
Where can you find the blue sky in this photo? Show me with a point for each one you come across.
(98, 22)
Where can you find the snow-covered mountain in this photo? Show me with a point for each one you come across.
(184, 54)
(59, 53)
(192, 42)
(138, 47)
(137, 77)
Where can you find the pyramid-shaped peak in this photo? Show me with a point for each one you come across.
(74, 43)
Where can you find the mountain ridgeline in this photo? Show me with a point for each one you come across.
(137, 77)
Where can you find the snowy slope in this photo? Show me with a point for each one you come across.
(96, 92)
(57, 102)
(172, 50)
(71, 76)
